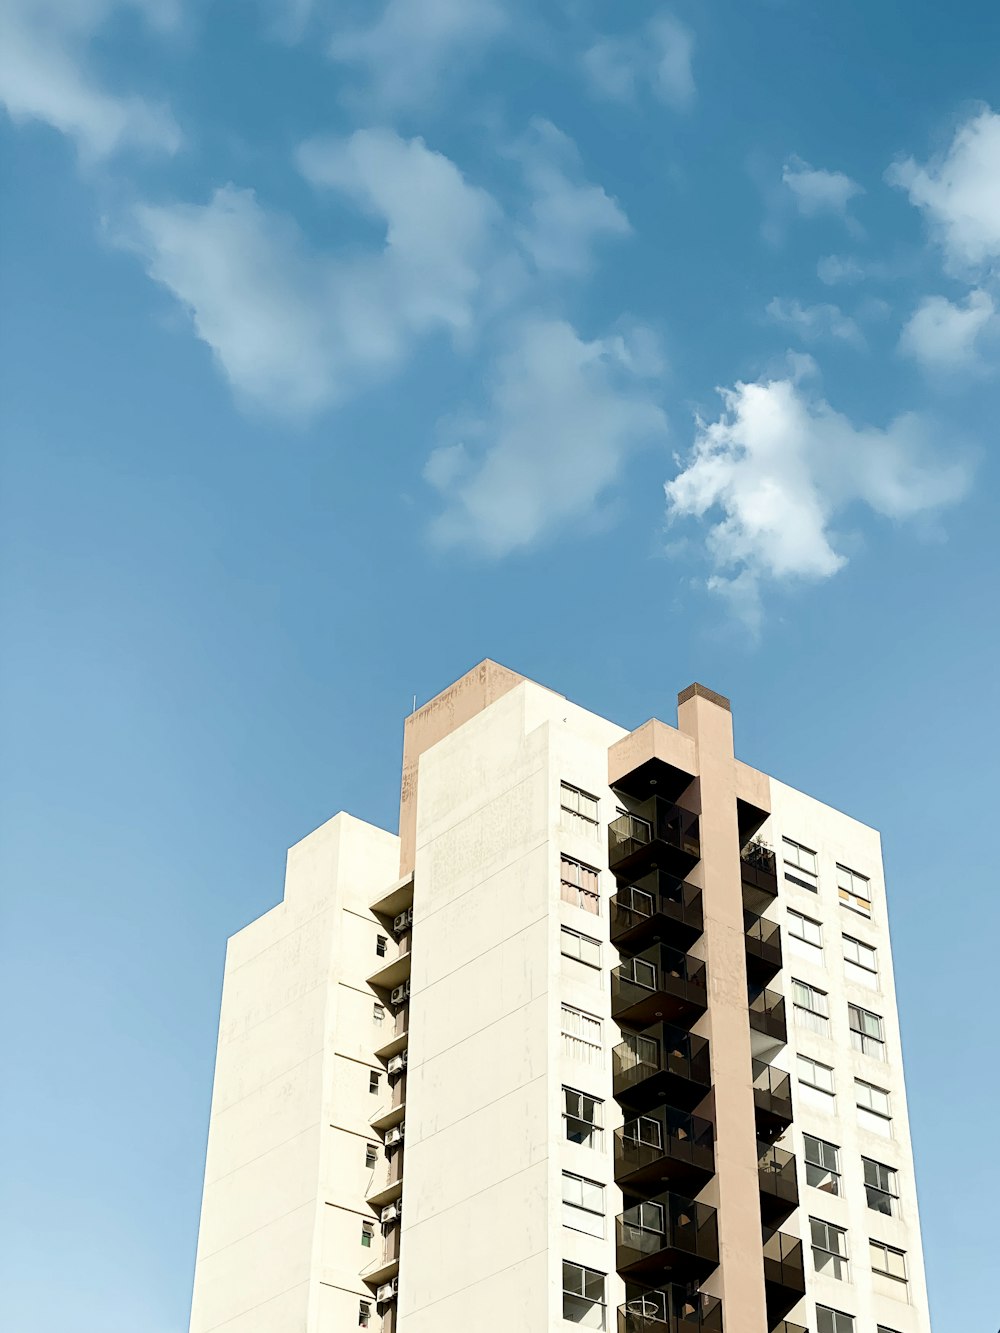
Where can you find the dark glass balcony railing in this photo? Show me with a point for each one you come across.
(667, 1238)
(772, 1099)
(659, 983)
(656, 907)
(779, 1191)
(784, 1273)
(786, 1326)
(661, 1063)
(665, 1144)
(763, 947)
(670, 1310)
(759, 873)
(657, 835)
(767, 1015)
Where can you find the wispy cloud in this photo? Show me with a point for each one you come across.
(771, 476)
(414, 46)
(959, 192)
(944, 336)
(834, 270)
(818, 192)
(45, 76)
(295, 329)
(814, 323)
(566, 215)
(562, 416)
(656, 58)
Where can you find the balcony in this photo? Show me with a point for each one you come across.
(387, 1179)
(390, 1113)
(772, 1099)
(768, 1030)
(385, 1268)
(664, 1145)
(784, 1274)
(670, 1310)
(662, 1063)
(394, 969)
(759, 873)
(786, 1326)
(763, 948)
(656, 907)
(667, 1238)
(394, 1037)
(779, 1191)
(660, 983)
(658, 835)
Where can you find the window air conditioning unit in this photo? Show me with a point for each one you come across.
(403, 922)
(400, 993)
(387, 1291)
(397, 1064)
(389, 1214)
(394, 1136)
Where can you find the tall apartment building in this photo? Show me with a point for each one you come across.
(606, 1037)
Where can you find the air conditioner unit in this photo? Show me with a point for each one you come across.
(387, 1291)
(394, 1136)
(397, 1064)
(403, 922)
(389, 1214)
(400, 993)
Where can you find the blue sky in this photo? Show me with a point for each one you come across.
(344, 346)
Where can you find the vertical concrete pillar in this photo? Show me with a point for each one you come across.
(706, 718)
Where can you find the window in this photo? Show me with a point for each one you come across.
(880, 1186)
(584, 1118)
(884, 1328)
(833, 1321)
(855, 890)
(364, 1314)
(644, 1129)
(867, 1032)
(806, 930)
(817, 1082)
(829, 1247)
(860, 962)
(811, 1008)
(580, 947)
(582, 808)
(583, 1204)
(873, 1107)
(822, 1164)
(581, 1035)
(583, 1296)
(640, 972)
(367, 1231)
(887, 1261)
(381, 943)
(373, 1081)
(645, 1217)
(371, 1154)
(580, 885)
(378, 1012)
(804, 871)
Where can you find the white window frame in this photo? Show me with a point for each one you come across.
(861, 1039)
(583, 1204)
(832, 1173)
(595, 1137)
(580, 805)
(889, 1191)
(875, 1245)
(640, 971)
(831, 1262)
(645, 1130)
(791, 855)
(818, 1019)
(863, 1087)
(854, 891)
(592, 1309)
(836, 1323)
(582, 1034)
(802, 928)
(574, 944)
(862, 958)
(572, 887)
(812, 1066)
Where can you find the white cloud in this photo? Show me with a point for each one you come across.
(657, 56)
(415, 44)
(295, 329)
(815, 322)
(959, 192)
(44, 75)
(944, 336)
(563, 416)
(780, 466)
(835, 269)
(817, 191)
(566, 215)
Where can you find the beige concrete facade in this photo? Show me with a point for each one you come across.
(407, 1039)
